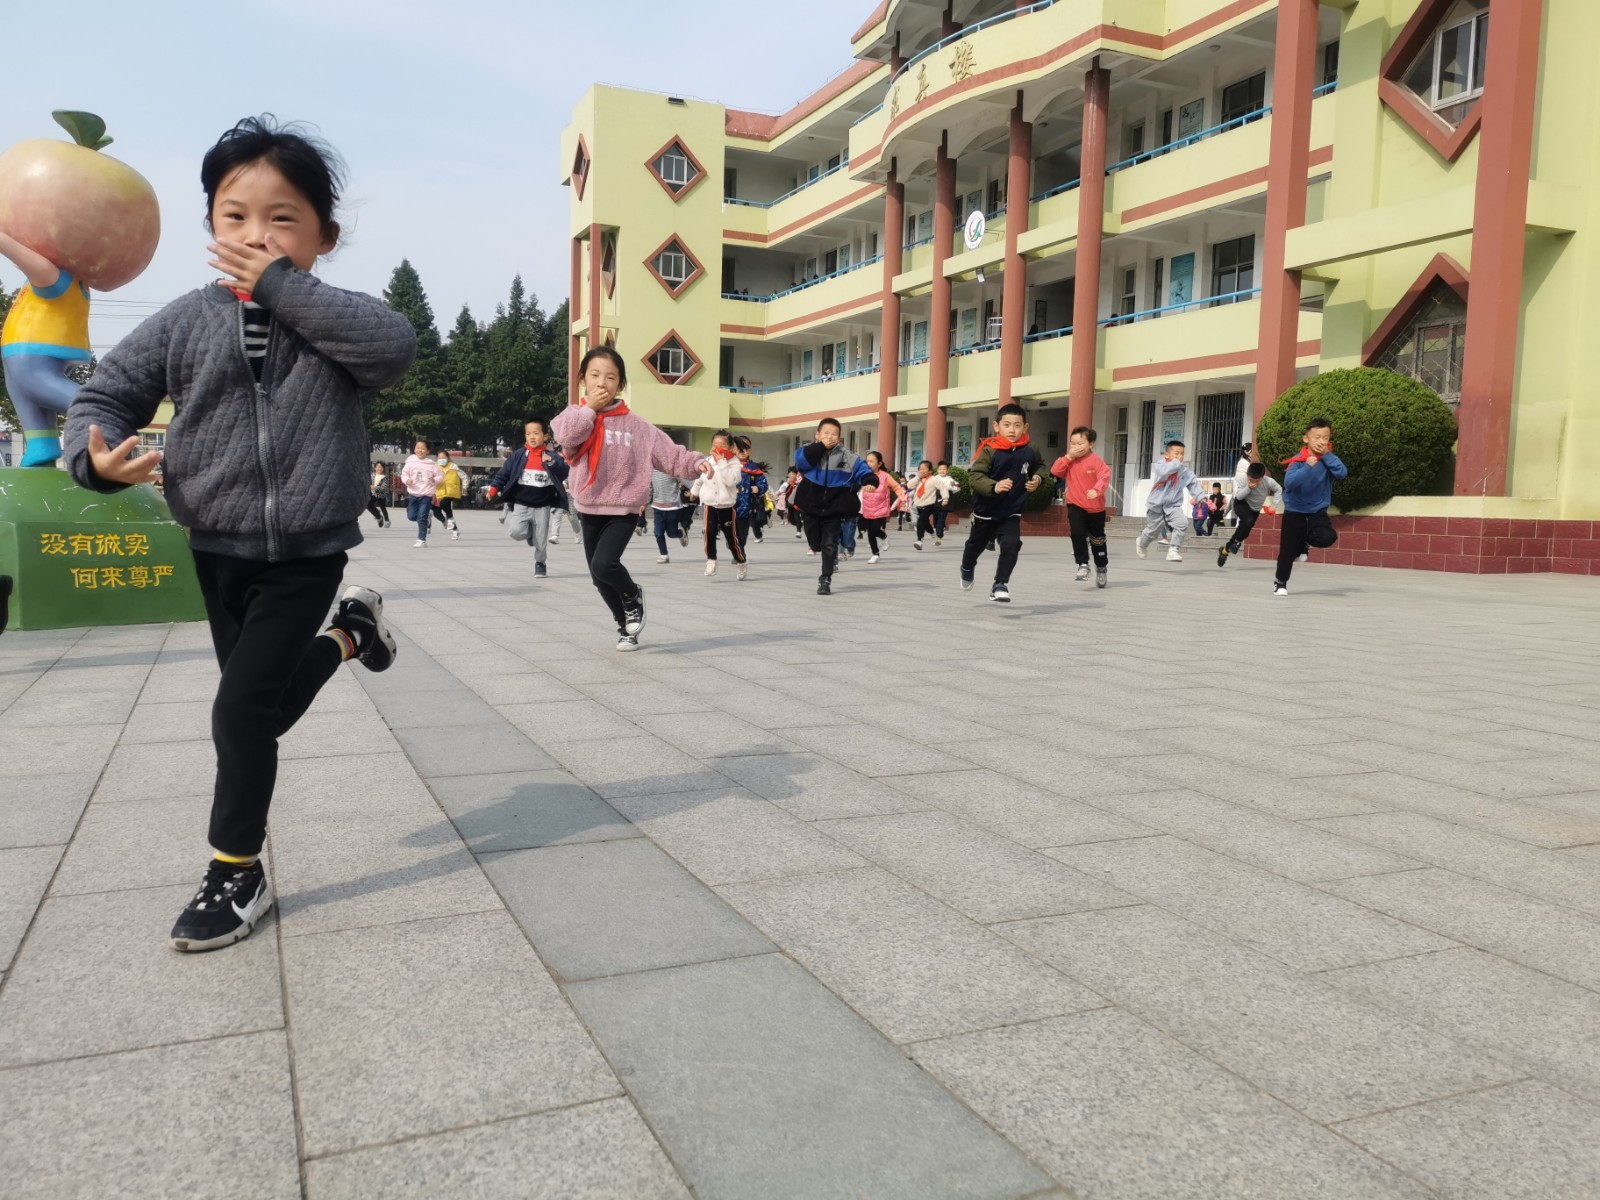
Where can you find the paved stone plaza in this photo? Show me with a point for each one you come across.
(1171, 890)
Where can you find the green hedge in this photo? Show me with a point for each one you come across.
(1395, 434)
(1040, 498)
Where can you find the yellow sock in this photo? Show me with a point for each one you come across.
(237, 860)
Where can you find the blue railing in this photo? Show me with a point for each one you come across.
(1057, 190)
(866, 114)
(912, 362)
(1324, 89)
(809, 283)
(800, 383)
(1253, 115)
(791, 192)
(1045, 335)
(1206, 302)
(975, 348)
(922, 241)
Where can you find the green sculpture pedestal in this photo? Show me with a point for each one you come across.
(79, 558)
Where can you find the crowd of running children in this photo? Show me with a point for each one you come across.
(271, 493)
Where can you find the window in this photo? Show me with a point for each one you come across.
(580, 167)
(1432, 347)
(1233, 268)
(830, 262)
(974, 200)
(1129, 303)
(1220, 434)
(919, 340)
(969, 328)
(1244, 98)
(1147, 438)
(844, 258)
(1041, 316)
(608, 263)
(872, 245)
(807, 364)
(1157, 283)
(839, 353)
(995, 197)
(1133, 140)
(674, 267)
(675, 168)
(1448, 74)
(1330, 63)
(671, 362)
(835, 161)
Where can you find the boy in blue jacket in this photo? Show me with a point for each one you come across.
(530, 483)
(830, 478)
(1005, 470)
(1307, 490)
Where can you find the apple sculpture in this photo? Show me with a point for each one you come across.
(71, 219)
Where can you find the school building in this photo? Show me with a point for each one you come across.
(1151, 216)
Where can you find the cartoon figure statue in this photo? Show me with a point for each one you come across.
(71, 219)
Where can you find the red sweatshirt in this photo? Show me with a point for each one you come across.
(1083, 475)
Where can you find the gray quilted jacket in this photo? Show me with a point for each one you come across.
(276, 470)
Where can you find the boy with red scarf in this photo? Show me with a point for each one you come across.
(611, 452)
(1006, 469)
(1307, 492)
(1088, 479)
(529, 483)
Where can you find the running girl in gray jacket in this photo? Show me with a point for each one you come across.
(266, 465)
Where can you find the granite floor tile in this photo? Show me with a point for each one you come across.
(24, 875)
(579, 720)
(1028, 815)
(1531, 820)
(518, 810)
(177, 721)
(714, 734)
(635, 766)
(478, 749)
(873, 752)
(45, 810)
(29, 752)
(813, 788)
(143, 843)
(146, 771)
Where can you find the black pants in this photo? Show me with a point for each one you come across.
(444, 507)
(744, 527)
(754, 521)
(822, 535)
(1247, 518)
(1301, 531)
(1212, 518)
(1008, 532)
(876, 527)
(926, 522)
(940, 515)
(605, 537)
(264, 620)
(378, 508)
(723, 521)
(1088, 535)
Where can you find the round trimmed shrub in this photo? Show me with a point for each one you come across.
(1396, 435)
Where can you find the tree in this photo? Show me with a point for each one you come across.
(418, 405)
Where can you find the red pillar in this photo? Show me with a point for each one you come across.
(896, 59)
(944, 231)
(1014, 293)
(1288, 161)
(1499, 245)
(948, 23)
(573, 303)
(1091, 227)
(894, 219)
(596, 285)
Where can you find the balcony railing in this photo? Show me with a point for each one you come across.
(844, 163)
(1045, 335)
(1255, 114)
(975, 348)
(916, 360)
(1206, 302)
(809, 283)
(800, 383)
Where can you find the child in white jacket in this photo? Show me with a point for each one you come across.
(718, 492)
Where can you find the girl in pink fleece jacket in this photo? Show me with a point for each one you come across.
(875, 504)
(612, 453)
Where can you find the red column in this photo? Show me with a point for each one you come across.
(576, 299)
(894, 220)
(1014, 293)
(1091, 227)
(1499, 242)
(896, 59)
(1294, 67)
(948, 23)
(944, 231)
(596, 285)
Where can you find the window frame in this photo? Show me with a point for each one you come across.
(1477, 25)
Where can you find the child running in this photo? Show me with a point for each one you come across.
(1307, 492)
(611, 451)
(1170, 477)
(875, 504)
(449, 491)
(750, 506)
(1087, 478)
(269, 490)
(664, 507)
(530, 485)
(1252, 488)
(1006, 469)
(929, 496)
(948, 486)
(375, 503)
(719, 496)
(830, 477)
(421, 476)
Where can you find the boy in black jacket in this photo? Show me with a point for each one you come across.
(1002, 475)
(530, 483)
(830, 477)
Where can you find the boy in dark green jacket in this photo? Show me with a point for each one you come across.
(1001, 476)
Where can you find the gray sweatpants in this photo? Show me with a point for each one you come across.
(1169, 518)
(532, 525)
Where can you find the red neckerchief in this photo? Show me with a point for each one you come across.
(722, 452)
(1001, 443)
(751, 469)
(541, 451)
(1305, 453)
(597, 438)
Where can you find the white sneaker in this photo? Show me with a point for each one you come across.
(420, 544)
(1166, 541)
(872, 560)
(684, 540)
(1279, 590)
(1303, 558)
(663, 559)
(1138, 546)
(555, 539)
(1082, 575)
(917, 545)
(455, 534)
(1173, 555)
(627, 641)
(711, 567)
(809, 550)
(744, 571)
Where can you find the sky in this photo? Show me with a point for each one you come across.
(448, 113)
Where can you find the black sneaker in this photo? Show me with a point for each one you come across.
(230, 903)
(1000, 594)
(1099, 579)
(361, 616)
(824, 585)
(538, 570)
(627, 641)
(1222, 557)
(633, 616)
